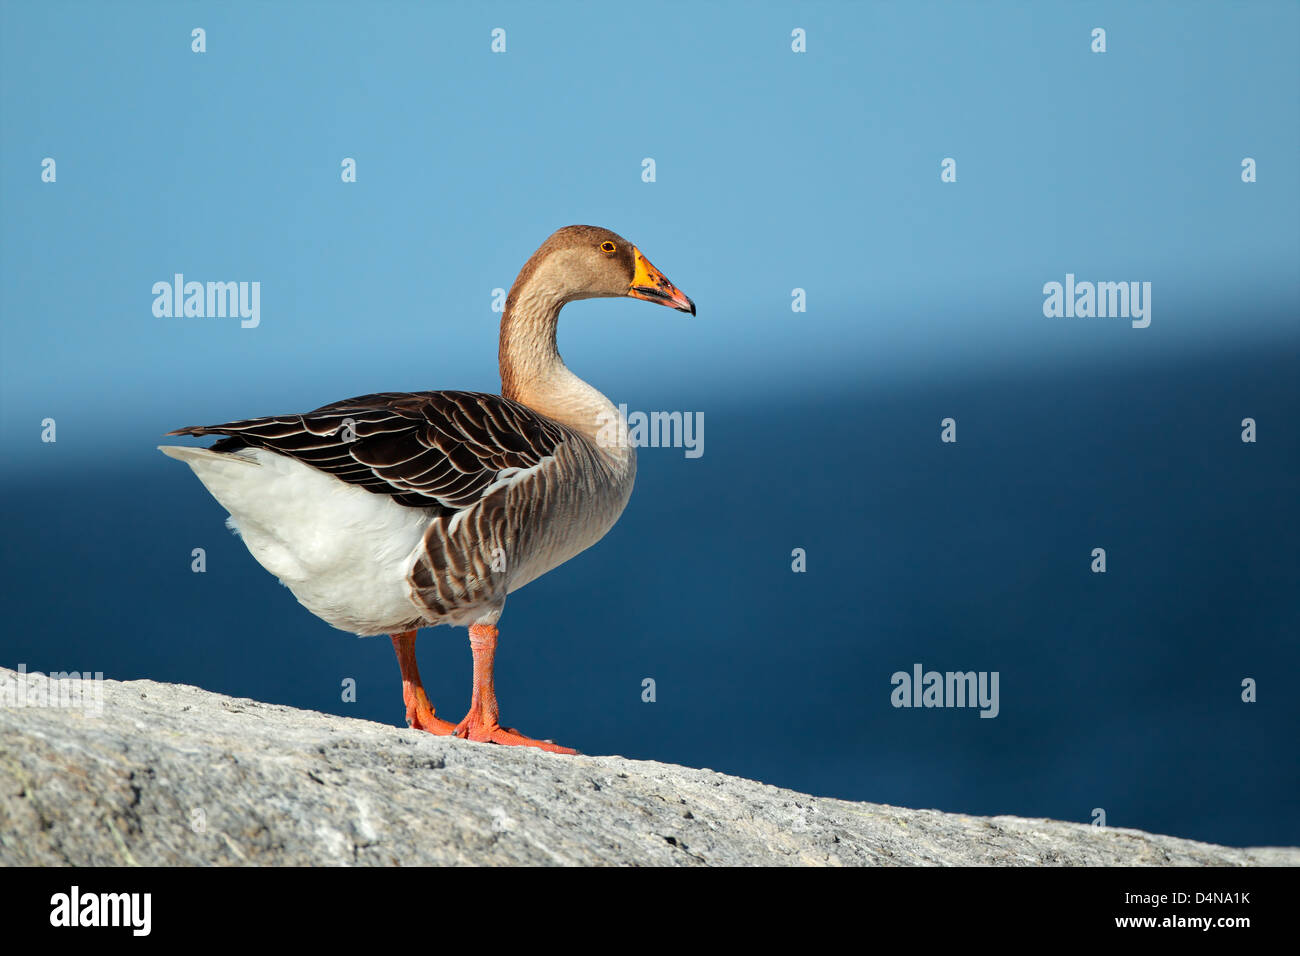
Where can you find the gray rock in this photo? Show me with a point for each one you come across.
(170, 774)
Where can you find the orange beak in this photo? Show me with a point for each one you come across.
(652, 285)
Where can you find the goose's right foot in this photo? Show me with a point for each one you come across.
(419, 712)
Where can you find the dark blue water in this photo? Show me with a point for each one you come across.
(1120, 691)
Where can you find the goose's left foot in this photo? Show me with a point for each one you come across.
(475, 727)
(482, 722)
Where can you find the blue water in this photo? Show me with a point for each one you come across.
(1118, 691)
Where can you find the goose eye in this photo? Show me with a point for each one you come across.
(608, 248)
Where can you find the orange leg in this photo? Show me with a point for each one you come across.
(481, 723)
(419, 712)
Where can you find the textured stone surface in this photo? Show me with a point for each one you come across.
(172, 774)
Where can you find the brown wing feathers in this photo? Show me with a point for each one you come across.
(435, 450)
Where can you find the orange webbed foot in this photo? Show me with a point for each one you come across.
(481, 723)
(420, 715)
(475, 727)
(419, 712)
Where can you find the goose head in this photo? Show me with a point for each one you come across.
(589, 262)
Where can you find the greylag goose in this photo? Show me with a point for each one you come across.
(387, 513)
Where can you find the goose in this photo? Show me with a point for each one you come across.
(388, 513)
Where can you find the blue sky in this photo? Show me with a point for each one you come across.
(775, 170)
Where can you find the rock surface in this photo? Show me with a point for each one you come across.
(170, 774)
